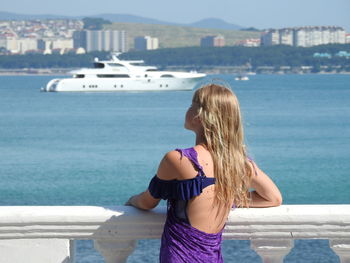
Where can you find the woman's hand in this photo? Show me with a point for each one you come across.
(129, 202)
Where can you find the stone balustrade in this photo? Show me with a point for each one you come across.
(46, 234)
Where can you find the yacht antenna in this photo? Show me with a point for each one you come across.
(115, 55)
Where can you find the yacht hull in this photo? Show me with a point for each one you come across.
(110, 85)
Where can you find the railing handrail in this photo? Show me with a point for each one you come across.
(124, 222)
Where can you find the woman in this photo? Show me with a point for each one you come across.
(203, 182)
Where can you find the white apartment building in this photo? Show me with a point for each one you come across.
(212, 41)
(146, 43)
(26, 44)
(304, 36)
(93, 40)
(347, 38)
(313, 36)
(325, 36)
(286, 36)
(50, 44)
(19, 45)
(270, 38)
(316, 38)
(62, 44)
(10, 43)
(301, 38)
(101, 40)
(118, 40)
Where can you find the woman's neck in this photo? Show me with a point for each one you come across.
(200, 139)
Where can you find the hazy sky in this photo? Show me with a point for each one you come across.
(257, 13)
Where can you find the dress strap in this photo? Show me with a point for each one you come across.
(192, 155)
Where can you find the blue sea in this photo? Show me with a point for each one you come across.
(98, 149)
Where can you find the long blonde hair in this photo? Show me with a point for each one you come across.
(220, 116)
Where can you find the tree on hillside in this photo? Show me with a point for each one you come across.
(91, 23)
(253, 29)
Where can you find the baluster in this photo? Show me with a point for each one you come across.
(115, 251)
(272, 250)
(342, 248)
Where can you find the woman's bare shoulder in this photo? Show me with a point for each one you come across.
(175, 166)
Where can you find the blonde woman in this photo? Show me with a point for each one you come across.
(203, 182)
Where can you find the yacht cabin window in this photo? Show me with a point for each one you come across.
(79, 76)
(113, 76)
(115, 65)
(99, 65)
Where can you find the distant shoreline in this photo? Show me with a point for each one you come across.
(209, 72)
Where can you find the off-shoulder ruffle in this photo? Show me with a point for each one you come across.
(178, 189)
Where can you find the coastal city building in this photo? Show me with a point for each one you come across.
(286, 36)
(213, 41)
(313, 36)
(250, 42)
(8, 43)
(19, 45)
(146, 43)
(270, 38)
(49, 44)
(100, 40)
(304, 36)
(26, 44)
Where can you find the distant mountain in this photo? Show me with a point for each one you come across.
(125, 18)
(215, 23)
(212, 23)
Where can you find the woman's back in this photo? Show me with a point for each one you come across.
(193, 229)
(202, 211)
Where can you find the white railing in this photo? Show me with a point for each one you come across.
(46, 233)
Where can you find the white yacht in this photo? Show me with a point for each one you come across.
(242, 77)
(124, 75)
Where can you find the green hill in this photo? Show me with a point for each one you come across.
(178, 36)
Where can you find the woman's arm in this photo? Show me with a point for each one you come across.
(266, 193)
(168, 169)
(143, 201)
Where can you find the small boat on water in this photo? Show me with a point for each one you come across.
(251, 73)
(124, 75)
(241, 77)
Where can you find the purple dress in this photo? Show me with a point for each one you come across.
(180, 241)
